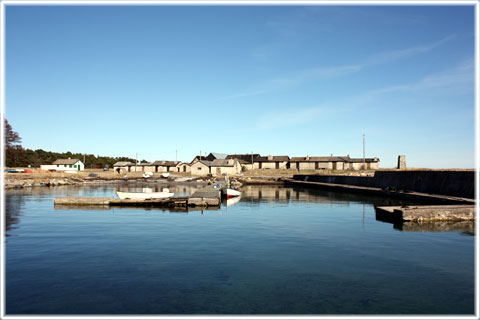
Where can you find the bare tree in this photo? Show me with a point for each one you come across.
(12, 138)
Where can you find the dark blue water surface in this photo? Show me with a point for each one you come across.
(277, 251)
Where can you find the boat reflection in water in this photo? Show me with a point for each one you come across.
(232, 201)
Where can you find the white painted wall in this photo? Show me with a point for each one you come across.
(78, 166)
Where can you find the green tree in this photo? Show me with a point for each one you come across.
(14, 152)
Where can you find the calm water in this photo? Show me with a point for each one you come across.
(277, 251)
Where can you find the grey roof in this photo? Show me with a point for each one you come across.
(274, 159)
(66, 161)
(165, 163)
(218, 163)
(183, 163)
(208, 163)
(123, 164)
(245, 157)
(223, 163)
(219, 155)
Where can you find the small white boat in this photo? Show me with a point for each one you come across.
(230, 193)
(147, 175)
(165, 175)
(144, 195)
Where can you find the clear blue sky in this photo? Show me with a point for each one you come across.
(280, 80)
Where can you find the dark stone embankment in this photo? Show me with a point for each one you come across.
(448, 183)
(451, 192)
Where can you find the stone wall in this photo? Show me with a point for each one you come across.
(450, 183)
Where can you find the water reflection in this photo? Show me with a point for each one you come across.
(256, 194)
(252, 195)
(13, 209)
(466, 227)
(276, 251)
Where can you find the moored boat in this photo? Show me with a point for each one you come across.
(230, 193)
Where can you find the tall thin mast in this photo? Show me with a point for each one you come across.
(364, 152)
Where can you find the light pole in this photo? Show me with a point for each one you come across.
(364, 151)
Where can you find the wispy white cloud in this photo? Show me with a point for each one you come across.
(323, 73)
(295, 79)
(314, 19)
(390, 56)
(457, 80)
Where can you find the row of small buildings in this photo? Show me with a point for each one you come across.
(219, 164)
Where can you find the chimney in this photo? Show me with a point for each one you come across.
(307, 158)
(270, 157)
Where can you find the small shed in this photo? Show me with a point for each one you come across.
(164, 166)
(65, 165)
(271, 162)
(183, 167)
(201, 168)
(123, 167)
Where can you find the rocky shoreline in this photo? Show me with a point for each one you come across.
(76, 180)
(51, 182)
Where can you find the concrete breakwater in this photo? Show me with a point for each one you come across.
(425, 213)
(448, 183)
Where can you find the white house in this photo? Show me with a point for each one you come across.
(64, 165)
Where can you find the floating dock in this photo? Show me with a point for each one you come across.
(205, 197)
(166, 203)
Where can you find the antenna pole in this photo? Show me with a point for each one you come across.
(364, 151)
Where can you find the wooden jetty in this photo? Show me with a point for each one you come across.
(426, 213)
(205, 197)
